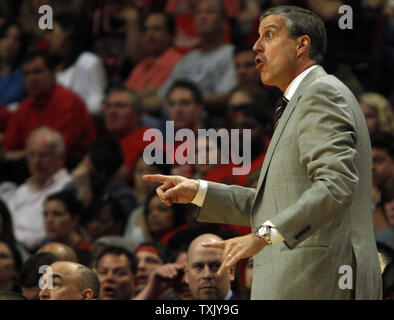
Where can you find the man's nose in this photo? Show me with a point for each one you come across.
(207, 273)
(44, 294)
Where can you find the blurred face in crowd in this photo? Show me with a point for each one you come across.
(59, 223)
(371, 116)
(183, 109)
(389, 210)
(7, 264)
(66, 283)
(201, 274)
(241, 121)
(182, 288)
(204, 143)
(120, 116)
(382, 167)
(43, 162)
(246, 67)
(148, 261)
(276, 53)
(142, 168)
(160, 218)
(249, 274)
(10, 43)
(208, 18)
(102, 224)
(116, 277)
(37, 76)
(57, 39)
(156, 37)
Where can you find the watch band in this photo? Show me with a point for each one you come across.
(264, 232)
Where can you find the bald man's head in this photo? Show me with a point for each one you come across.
(60, 250)
(70, 281)
(202, 266)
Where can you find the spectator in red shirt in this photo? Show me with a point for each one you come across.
(160, 55)
(123, 121)
(49, 104)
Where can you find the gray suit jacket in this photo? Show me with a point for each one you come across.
(314, 186)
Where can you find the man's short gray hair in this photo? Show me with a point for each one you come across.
(299, 22)
(54, 137)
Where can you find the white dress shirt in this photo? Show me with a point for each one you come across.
(26, 207)
(198, 200)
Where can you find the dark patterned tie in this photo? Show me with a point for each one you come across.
(279, 108)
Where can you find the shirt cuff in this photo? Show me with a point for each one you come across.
(201, 193)
(276, 237)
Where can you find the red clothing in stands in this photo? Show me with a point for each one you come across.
(153, 72)
(58, 108)
(4, 117)
(133, 145)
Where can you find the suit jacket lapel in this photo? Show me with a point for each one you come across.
(283, 122)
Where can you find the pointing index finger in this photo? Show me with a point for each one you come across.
(156, 178)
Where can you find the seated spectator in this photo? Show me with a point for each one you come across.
(71, 281)
(185, 105)
(96, 178)
(212, 64)
(10, 264)
(181, 288)
(32, 271)
(12, 88)
(123, 120)
(378, 112)
(245, 65)
(116, 269)
(62, 212)
(45, 155)
(163, 222)
(60, 250)
(248, 279)
(104, 218)
(46, 101)
(201, 272)
(382, 173)
(160, 56)
(250, 109)
(136, 229)
(387, 201)
(109, 241)
(7, 230)
(150, 255)
(77, 69)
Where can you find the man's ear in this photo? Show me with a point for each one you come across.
(87, 294)
(303, 45)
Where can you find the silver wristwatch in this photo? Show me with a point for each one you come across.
(264, 232)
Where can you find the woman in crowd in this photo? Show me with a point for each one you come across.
(77, 69)
(377, 111)
(62, 213)
(10, 264)
(12, 88)
(163, 222)
(104, 218)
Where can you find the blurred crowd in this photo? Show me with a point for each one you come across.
(77, 99)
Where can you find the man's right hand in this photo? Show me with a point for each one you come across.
(174, 189)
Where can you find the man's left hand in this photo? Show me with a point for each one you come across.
(236, 249)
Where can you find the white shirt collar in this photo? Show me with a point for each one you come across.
(291, 89)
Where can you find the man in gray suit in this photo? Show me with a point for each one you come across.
(311, 210)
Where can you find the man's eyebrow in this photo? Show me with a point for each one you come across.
(57, 276)
(271, 26)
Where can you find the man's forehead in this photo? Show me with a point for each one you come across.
(272, 21)
(114, 261)
(205, 254)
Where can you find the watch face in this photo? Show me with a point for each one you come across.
(263, 231)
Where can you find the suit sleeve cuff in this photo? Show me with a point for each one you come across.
(201, 193)
(276, 237)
